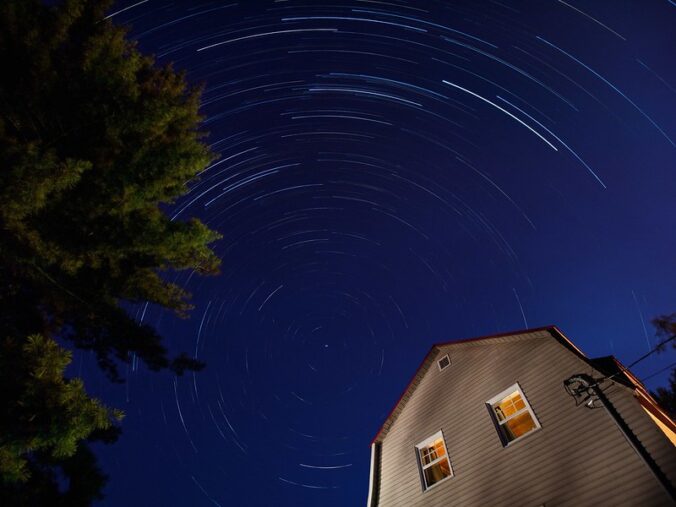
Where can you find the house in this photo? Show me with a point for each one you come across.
(523, 419)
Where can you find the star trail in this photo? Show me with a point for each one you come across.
(392, 174)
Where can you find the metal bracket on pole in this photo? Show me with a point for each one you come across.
(587, 391)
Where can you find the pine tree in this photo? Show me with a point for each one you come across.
(95, 139)
(42, 411)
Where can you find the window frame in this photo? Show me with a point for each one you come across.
(439, 435)
(490, 405)
(445, 356)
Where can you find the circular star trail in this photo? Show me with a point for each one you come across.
(392, 174)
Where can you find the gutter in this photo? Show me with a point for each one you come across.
(372, 500)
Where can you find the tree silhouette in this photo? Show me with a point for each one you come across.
(94, 140)
(43, 420)
(666, 330)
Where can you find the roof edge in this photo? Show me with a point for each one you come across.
(469, 340)
(627, 377)
(645, 397)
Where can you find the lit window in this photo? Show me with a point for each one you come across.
(444, 362)
(512, 413)
(434, 464)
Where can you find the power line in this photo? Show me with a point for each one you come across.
(659, 371)
(644, 356)
(657, 347)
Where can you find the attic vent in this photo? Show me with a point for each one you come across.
(444, 362)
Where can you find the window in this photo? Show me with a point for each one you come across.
(512, 414)
(444, 362)
(433, 459)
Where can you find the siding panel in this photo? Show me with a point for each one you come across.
(579, 457)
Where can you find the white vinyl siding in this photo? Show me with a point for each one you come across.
(578, 457)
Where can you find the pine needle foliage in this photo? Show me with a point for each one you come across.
(96, 140)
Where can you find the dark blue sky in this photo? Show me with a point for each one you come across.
(393, 174)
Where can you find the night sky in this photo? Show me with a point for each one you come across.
(392, 174)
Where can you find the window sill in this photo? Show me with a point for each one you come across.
(437, 483)
(522, 437)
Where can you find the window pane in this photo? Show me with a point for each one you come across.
(433, 451)
(508, 409)
(518, 426)
(427, 455)
(509, 406)
(437, 472)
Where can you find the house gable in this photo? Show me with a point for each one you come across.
(581, 443)
(435, 353)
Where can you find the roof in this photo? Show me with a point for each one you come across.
(608, 365)
(611, 366)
